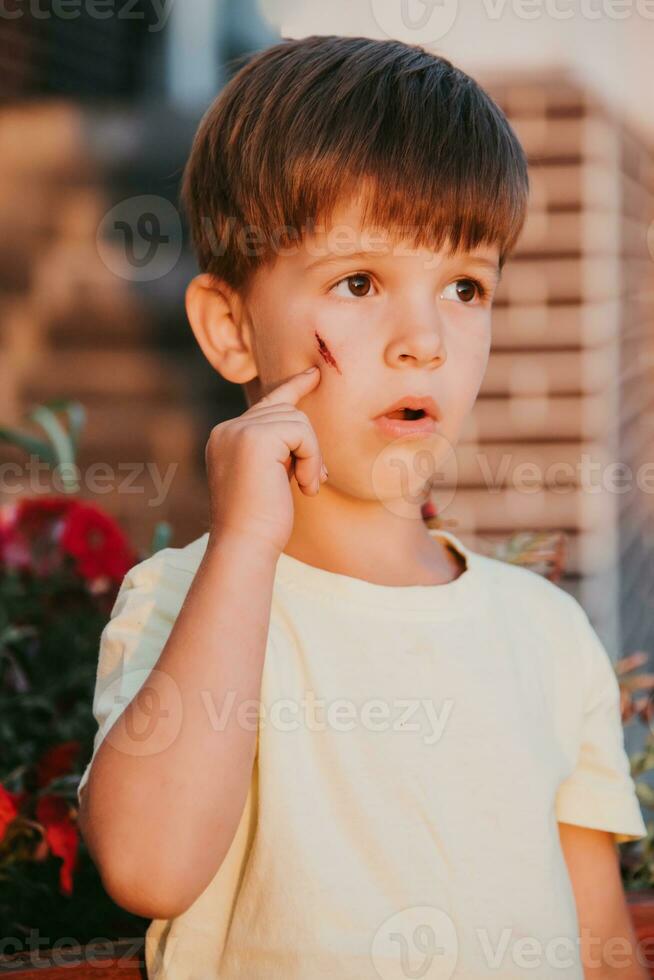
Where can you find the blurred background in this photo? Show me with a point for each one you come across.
(99, 103)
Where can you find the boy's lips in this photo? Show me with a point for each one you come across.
(396, 428)
(410, 415)
(424, 404)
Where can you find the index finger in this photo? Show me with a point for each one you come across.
(293, 389)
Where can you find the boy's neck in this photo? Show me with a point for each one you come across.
(365, 539)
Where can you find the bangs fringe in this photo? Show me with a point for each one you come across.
(428, 152)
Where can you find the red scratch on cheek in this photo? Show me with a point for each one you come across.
(325, 352)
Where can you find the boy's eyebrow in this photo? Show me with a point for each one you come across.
(493, 266)
(328, 259)
(366, 254)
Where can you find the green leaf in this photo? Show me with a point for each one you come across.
(645, 793)
(161, 537)
(76, 416)
(61, 441)
(11, 633)
(29, 443)
(638, 761)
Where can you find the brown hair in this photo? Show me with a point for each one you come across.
(306, 122)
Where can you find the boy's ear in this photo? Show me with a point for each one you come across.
(216, 315)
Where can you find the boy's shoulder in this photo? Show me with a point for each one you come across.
(523, 591)
(185, 558)
(166, 574)
(515, 588)
(496, 572)
(503, 573)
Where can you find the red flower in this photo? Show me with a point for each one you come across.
(56, 761)
(28, 533)
(96, 542)
(61, 836)
(37, 533)
(35, 513)
(9, 803)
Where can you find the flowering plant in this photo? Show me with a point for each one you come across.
(637, 857)
(62, 560)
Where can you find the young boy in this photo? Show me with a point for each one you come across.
(359, 749)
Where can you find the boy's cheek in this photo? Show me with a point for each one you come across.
(277, 354)
(341, 349)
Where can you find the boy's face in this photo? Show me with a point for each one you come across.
(380, 327)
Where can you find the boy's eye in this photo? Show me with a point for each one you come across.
(464, 290)
(461, 290)
(358, 284)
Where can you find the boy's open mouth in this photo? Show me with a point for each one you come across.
(406, 413)
(410, 407)
(410, 416)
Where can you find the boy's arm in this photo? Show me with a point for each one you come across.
(167, 788)
(608, 945)
(168, 785)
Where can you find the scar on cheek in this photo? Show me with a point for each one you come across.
(325, 352)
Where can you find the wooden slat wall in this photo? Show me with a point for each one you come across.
(570, 377)
(71, 328)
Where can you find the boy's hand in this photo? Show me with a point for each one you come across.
(249, 464)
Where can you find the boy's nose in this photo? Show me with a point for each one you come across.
(421, 345)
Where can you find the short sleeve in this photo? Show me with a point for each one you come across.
(600, 791)
(146, 606)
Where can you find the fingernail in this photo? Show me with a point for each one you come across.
(323, 472)
(309, 370)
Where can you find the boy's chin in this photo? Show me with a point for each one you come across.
(401, 496)
(407, 505)
(398, 494)
(402, 475)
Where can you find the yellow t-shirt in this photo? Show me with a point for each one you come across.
(416, 747)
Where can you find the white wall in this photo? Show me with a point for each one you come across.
(608, 44)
